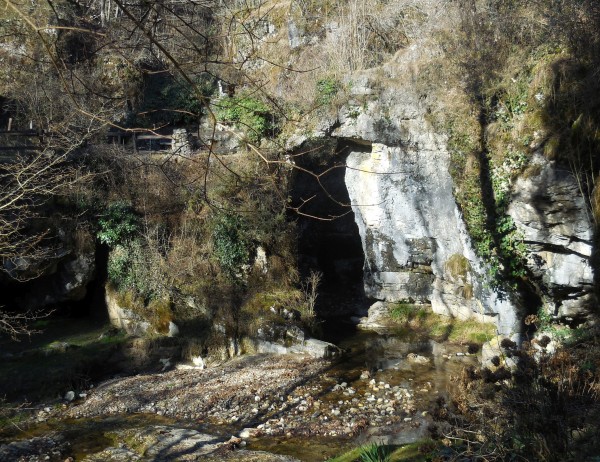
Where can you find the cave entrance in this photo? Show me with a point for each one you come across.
(328, 239)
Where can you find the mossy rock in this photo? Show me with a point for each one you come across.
(458, 267)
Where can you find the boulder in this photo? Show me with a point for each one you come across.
(126, 319)
(312, 347)
(317, 349)
(378, 317)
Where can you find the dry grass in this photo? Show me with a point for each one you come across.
(546, 409)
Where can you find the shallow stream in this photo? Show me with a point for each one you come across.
(402, 360)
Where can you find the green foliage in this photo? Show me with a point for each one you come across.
(119, 263)
(514, 161)
(419, 451)
(327, 89)
(119, 224)
(495, 237)
(374, 452)
(231, 240)
(248, 113)
(134, 266)
(405, 312)
(511, 249)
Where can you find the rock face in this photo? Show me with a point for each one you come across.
(124, 318)
(550, 211)
(64, 280)
(414, 240)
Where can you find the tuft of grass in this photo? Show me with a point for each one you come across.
(408, 313)
(375, 452)
(442, 327)
(419, 451)
(470, 330)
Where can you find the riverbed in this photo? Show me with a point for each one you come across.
(381, 389)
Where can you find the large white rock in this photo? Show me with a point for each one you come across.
(415, 243)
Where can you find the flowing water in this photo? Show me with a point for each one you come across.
(384, 356)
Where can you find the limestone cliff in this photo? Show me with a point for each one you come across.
(415, 240)
(551, 212)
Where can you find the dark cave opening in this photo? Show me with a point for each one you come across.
(328, 237)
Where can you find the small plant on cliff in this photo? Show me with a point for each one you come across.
(247, 113)
(327, 88)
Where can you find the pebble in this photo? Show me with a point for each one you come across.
(379, 404)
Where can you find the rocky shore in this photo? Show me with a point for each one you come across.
(197, 413)
(259, 395)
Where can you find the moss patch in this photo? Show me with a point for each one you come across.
(442, 328)
(458, 267)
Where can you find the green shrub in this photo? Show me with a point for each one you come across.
(327, 88)
(119, 224)
(119, 264)
(231, 242)
(247, 113)
(174, 100)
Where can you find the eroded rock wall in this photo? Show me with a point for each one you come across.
(413, 236)
(415, 243)
(550, 211)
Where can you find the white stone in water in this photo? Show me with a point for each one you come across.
(69, 396)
